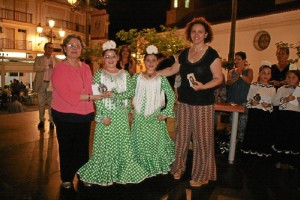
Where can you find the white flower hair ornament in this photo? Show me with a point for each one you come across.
(110, 44)
(151, 49)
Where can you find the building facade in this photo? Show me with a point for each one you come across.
(259, 26)
(20, 42)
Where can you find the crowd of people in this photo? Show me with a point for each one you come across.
(131, 142)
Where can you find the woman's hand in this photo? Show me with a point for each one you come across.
(254, 103)
(198, 86)
(161, 117)
(265, 105)
(103, 95)
(106, 121)
(289, 98)
(108, 94)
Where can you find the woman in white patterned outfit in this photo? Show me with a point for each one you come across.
(152, 145)
(195, 111)
(112, 160)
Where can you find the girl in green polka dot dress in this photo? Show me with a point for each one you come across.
(152, 145)
(112, 159)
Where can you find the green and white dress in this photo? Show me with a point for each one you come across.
(112, 159)
(152, 145)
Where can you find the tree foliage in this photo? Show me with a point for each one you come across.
(167, 40)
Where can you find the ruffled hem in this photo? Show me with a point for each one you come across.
(285, 151)
(154, 169)
(114, 182)
(250, 152)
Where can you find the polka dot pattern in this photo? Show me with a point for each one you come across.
(152, 145)
(112, 159)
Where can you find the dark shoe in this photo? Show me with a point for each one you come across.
(41, 125)
(51, 126)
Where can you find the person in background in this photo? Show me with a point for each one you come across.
(238, 84)
(126, 61)
(258, 135)
(195, 107)
(280, 69)
(152, 144)
(112, 160)
(72, 109)
(15, 106)
(43, 66)
(287, 126)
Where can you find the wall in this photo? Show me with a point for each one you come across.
(281, 27)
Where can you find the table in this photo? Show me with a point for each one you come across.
(235, 109)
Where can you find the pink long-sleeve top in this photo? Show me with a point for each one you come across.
(68, 84)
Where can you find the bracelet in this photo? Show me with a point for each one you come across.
(89, 97)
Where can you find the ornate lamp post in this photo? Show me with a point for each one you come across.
(51, 25)
(80, 5)
(50, 35)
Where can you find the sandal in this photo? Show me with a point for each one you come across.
(198, 183)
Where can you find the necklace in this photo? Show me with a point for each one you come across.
(150, 74)
(196, 50)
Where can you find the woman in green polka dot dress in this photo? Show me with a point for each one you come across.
(153, 147)
(112, 159)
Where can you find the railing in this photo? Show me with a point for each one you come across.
(67, 25)
(15, 15)
(6, 43)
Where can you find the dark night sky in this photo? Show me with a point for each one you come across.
(137, 14)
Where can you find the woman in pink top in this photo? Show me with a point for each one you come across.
(72, 109)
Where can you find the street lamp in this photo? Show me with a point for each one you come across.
(61, 33)
(85, 5)
(51, 25)
(50, 35)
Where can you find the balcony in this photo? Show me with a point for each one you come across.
(15, 15)
(15, 44)
(67, 25)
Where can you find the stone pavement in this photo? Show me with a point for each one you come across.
(29, 169)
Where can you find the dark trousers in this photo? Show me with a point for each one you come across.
(73, 140)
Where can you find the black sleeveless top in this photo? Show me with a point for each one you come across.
(126, 66)
(203, 74)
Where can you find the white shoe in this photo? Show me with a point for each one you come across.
(66, 185)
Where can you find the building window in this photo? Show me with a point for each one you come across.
(175, 3)
(187, 3)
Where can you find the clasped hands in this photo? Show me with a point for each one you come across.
(290, 98)
(264, 104)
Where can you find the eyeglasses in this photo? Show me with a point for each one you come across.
(76, 46)
(108, 56)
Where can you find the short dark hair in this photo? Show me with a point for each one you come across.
(264, 67)
(241, 54)
(147, 54)
(46, 44)
(296, 72)
(204, 23)
(67, 40)
(286, 49)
